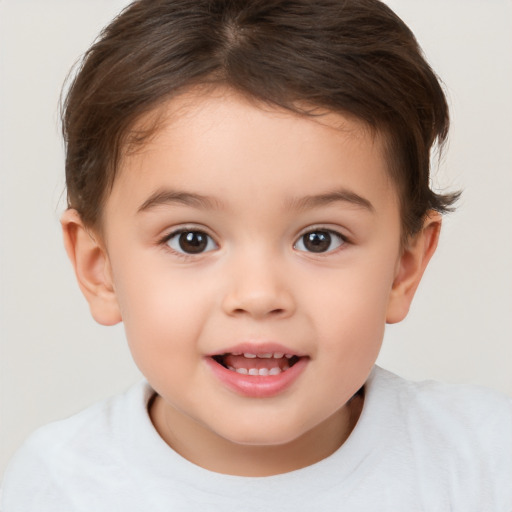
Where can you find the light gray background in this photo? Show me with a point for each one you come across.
(55, 360)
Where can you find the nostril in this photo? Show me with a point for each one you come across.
(272, 312)
(258, 304)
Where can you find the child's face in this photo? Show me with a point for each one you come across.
(240, 229)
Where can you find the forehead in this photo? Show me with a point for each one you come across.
(201, 106)
(215, 139)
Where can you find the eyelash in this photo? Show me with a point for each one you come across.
(339, 239)
(190, 230)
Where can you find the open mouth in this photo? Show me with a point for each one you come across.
(271, 363)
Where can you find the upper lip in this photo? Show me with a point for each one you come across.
(263, 347)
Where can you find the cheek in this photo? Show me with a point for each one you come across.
(160, 314)
(350, 307)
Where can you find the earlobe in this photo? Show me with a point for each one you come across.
(92, 268)
(411, 266)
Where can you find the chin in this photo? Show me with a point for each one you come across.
(262, 435)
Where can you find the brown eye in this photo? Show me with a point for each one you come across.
(191, 242)
(319, 241)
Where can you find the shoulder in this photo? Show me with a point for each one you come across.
(459, 434)
(457, 398)
(446, 409)
(433, 401)
(73, 449)
(91, 427)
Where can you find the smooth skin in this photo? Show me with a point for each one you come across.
(252, 186)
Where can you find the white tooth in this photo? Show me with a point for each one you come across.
(275, 371)
(249, 356)
(263, 371)
(231, 368)
(289, 356)
(236, 353)
(253, 371)
(286, 367)
(278, 355)
(265, 356)
(243, 371)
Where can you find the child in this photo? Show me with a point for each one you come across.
(248, 189)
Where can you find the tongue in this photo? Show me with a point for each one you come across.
(256, 362)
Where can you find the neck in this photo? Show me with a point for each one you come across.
(205, 448)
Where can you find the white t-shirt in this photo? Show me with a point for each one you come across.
(416, 447)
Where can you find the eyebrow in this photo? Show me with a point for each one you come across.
(169, 197)
(341, 195)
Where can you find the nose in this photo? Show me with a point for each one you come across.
(258, 289)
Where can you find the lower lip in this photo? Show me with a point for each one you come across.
(258, 386)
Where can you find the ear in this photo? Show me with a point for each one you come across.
(410, 267)
(92, 268)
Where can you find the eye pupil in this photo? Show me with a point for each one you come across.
(193, 242)
(317, 241)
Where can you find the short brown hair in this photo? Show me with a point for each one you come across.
(354, 57)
